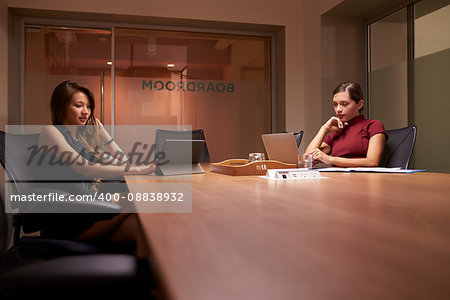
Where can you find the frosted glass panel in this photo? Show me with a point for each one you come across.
(54, 55)
(431, 86)
(216, 82)
(388, 70)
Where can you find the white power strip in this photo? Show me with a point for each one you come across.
(301, 173)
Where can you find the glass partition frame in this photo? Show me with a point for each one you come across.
(111, 111)
(431, 142)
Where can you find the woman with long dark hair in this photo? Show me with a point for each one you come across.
(79, 135)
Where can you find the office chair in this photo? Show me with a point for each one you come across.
(298, 137)
(399, 147)
(30, 219)
(198, 134)
(24, 273)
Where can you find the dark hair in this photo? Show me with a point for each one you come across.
(61, 97)
(354, 91)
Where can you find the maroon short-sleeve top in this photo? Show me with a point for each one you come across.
(353, 140)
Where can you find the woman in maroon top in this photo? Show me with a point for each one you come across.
(352, 140)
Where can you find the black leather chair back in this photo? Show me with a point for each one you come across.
(6, 224)
(26, 176)
(298, 137)
(30, 270)
(14, 156)
(399, 147)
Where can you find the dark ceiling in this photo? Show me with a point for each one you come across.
(372, 9)
(364, 9)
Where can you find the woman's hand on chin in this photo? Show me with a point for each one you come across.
(334, 124)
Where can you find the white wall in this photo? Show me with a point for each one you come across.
(342, 57)
(311, 77)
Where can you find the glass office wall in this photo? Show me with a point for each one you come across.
(388, 91)
(431, 84)
(409, 63)
(56, 54)
(218, 82)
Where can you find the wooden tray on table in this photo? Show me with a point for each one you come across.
(241, 167)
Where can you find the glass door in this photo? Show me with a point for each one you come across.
(409, 63)
(216, 82)
(56, 54)
(431, 84)
(220, 83)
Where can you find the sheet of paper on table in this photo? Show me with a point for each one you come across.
(365, 169)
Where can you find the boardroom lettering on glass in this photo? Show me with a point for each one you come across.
(190, 86)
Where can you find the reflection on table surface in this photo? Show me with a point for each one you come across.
(350, 236)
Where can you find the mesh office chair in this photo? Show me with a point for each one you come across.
(399, 147)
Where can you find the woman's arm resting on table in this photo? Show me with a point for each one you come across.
(374, 153)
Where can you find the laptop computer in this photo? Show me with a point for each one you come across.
(181, 157)
(281, 147)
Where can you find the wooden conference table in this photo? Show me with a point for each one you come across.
(351, 236)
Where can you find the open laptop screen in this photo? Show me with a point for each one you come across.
(180, 157)
(180, 151)
(281, 147)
